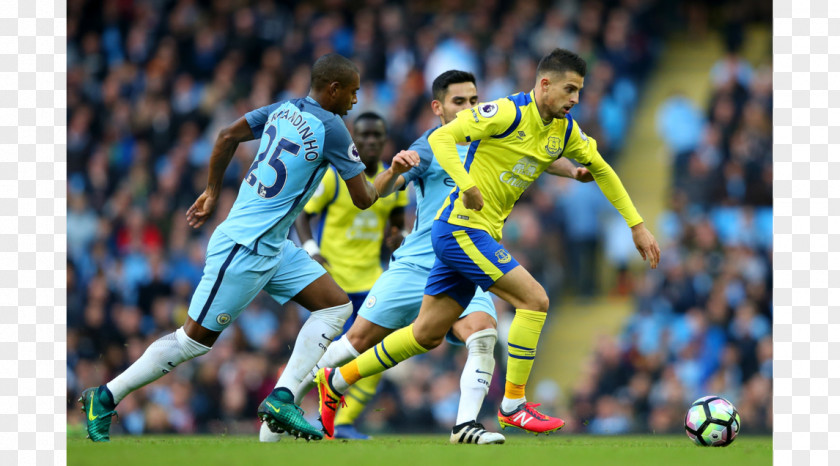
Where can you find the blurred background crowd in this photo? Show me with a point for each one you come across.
(151, 82)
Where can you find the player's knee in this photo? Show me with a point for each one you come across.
(360, 340)
(472, 323)
(429, 341)
(334, 317)
(189, 348)
(199, 334)
(482, 341)
(539, 303)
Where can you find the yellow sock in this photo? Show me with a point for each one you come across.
(513, 391)
(395, 348)
(523, 336)
(356, 398)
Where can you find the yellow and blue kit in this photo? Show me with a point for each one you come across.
(350, 238)
(510, 146)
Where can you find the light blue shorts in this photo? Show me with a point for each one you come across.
(233, 275)
(394, 301)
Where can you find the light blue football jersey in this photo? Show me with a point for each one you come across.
(431, 184)
(299, 139)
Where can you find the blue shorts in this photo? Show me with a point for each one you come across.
(233, 275)
(395, 299)
(466, 257)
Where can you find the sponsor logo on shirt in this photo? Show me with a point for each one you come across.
(521, 175)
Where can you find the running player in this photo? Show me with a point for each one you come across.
(512, 141)
(250, 251)
(395, 299)
(343, 227)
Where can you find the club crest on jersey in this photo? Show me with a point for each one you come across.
(488, 110)
(370, 302)
(223, 319)
(502, 256)
(553, 146)
(353, 153)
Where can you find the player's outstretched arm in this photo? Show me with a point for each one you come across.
(391, 179)
(646, 244)
(361, 191)
(223, 150)
(585, 150)
(614, 191)
(565, 168)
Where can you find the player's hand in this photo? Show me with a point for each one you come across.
(583, 175)
(394, 239)
(472, 199)
(646, 244)
(201, 209)
(404, 161)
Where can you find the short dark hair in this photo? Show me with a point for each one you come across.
(447, 78)
(371, 116)
(330, 68)
(560, 61)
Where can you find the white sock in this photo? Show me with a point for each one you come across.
(159, 358)
(267, 436)
(478, 371)
(338, 383)
(510, 405)
(316, 334)
(337, 354)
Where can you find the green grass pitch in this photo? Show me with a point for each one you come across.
(426, 450)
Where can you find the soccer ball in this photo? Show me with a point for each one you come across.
(712, 421)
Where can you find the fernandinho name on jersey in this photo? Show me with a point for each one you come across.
(298, 141)
(351, 239)
(510, 147)
(304, 130)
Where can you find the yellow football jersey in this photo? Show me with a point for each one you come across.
(510, 147)
(350, 238)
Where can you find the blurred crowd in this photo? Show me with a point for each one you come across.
(151, 82)
(703, 321)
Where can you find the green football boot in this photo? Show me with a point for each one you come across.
(98, 408)
(281, 414)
